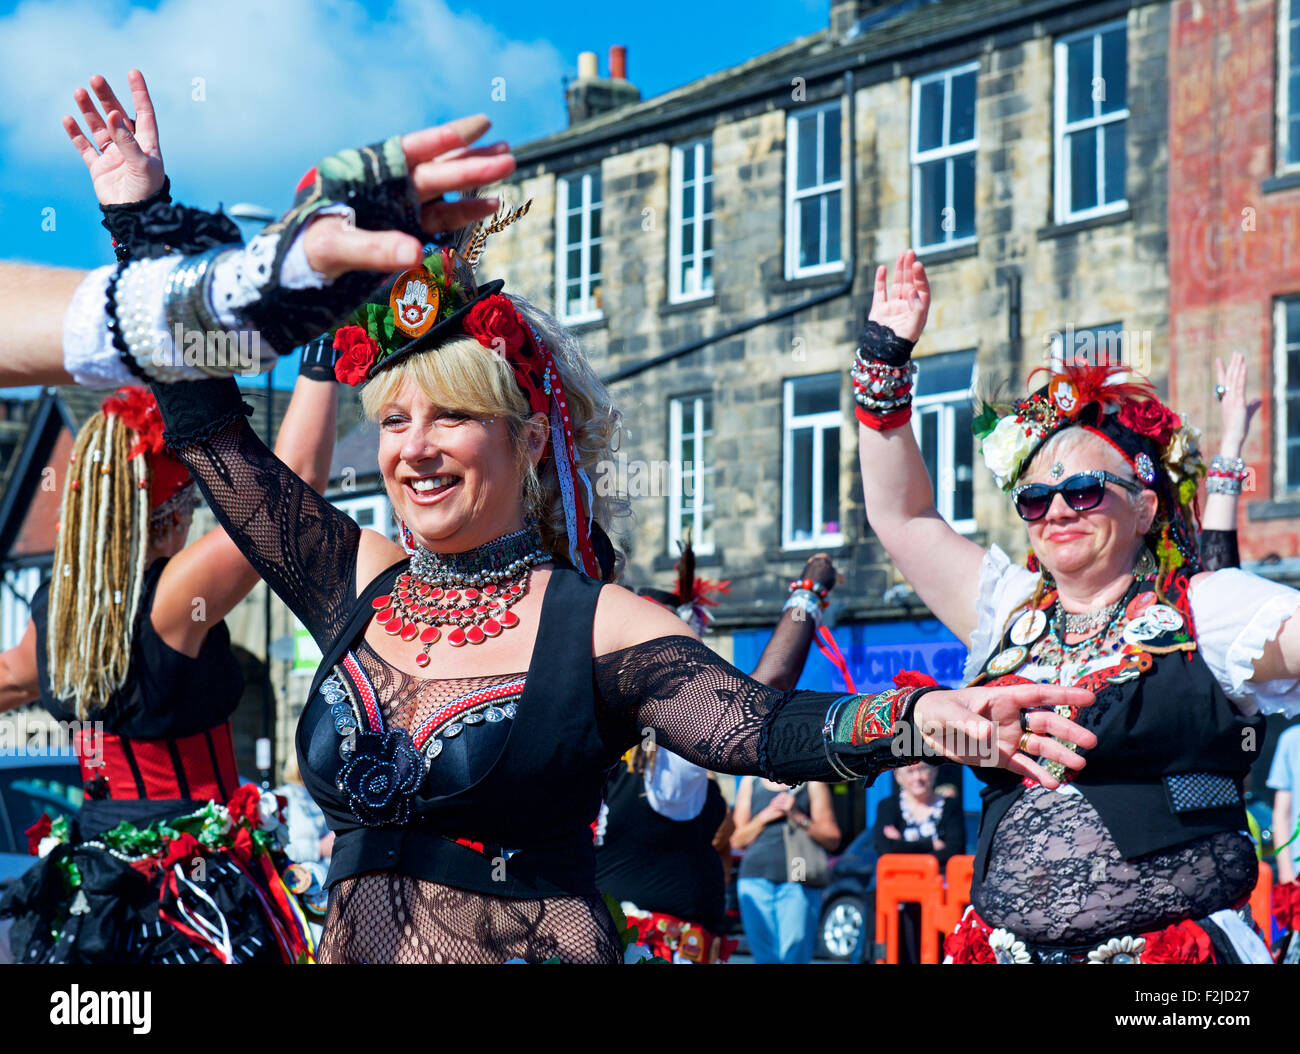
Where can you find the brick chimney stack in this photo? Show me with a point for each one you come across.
(591, 94)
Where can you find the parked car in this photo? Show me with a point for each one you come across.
(32, 784)
(849, 901)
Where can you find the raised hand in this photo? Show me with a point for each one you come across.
(981, 726)
(905, 305)
(125, 161)
(1236, 409)
(440, 161)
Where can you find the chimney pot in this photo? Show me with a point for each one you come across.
(618, 62)
(587, 66)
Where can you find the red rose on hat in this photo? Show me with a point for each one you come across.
(495, 319)
(1150, 418)
(358, 354)
(1185, 944)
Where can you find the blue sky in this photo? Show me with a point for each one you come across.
(249, 94)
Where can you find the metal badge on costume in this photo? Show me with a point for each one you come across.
(414, 302)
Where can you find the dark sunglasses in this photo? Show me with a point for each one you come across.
(1082, 491)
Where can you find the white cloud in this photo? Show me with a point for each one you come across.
(278, 85)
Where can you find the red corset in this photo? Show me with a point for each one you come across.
(195, 767)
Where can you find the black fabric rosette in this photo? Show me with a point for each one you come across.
(381, 776)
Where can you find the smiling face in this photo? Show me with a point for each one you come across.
(454, 467)
(1098, 543)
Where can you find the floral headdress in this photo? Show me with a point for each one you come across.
(1123, 409)
(427, 307)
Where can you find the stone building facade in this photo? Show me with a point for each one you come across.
(1018, 263)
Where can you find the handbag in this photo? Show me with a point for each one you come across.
(800, 845)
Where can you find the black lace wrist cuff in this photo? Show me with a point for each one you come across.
(881, 344)
(157, 226)
(195, 411)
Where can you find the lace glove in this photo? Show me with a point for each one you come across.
(155, 226)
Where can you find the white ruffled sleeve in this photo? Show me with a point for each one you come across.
(1004, 586)
(1236, 615)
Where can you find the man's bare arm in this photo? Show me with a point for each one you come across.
(33, 301)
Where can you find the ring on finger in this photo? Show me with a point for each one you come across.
(1220, 390)
(1023, 746)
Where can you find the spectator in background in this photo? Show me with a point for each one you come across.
(779, 915)
(918, 820)
(1284, 778)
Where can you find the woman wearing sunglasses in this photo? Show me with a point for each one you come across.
(1142, 856)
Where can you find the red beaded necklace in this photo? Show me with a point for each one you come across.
(474, 601)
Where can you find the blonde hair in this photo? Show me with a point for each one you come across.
(99, 565)
(464, 375)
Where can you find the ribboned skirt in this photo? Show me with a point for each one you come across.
(217, 907)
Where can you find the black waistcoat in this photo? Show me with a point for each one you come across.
(1172, 721)
(535, 805)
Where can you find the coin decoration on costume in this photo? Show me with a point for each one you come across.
(1028, 627)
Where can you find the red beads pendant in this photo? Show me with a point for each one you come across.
(419, 612)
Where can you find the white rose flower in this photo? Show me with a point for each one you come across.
(268, 812)
(1005, 448)
(47, 843)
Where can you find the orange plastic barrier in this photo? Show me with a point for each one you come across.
(1261, 901)
(902, 878)
(959, 873)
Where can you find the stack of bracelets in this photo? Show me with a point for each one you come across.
(882, 378)
(809, 597)
(1226, 475)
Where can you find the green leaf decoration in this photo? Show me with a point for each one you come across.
(71, 876)
(388, 328)
(626, 933)
(985, 421)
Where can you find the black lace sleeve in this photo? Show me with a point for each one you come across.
(299, 543)
(705, 710)
(1219, 550)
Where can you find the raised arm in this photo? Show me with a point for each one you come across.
(214, 567)
(786, 653)
(1227, 470)
(941, 565)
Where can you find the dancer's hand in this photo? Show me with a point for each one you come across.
(125, 161)
(981, 726)
(1237, 410)
(905, 305)
(440, 161)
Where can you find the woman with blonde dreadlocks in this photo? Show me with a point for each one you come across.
(1143, 855)
(168, 859)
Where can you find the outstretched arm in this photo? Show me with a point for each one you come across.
(650, 674)
(941, 565)
(18, 676)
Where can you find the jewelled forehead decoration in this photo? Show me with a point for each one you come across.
(1057, 471)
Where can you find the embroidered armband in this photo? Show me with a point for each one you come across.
(864, 728)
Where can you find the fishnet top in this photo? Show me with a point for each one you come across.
(700, 707)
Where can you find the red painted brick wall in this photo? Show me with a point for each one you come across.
(1224, 276)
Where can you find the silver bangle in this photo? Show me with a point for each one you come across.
(804, 600)
(1235, 465)
(1222, 485)
(185, 301)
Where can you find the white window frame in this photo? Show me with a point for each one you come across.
(944, 152)
(20, 585)
(680, 504)
(383, 520)
(821, 423)
(793, 197)
(944, 404)
(1280, 380)
(1063, 213)
(1285, 19)
(590, 310)
(698, 218)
